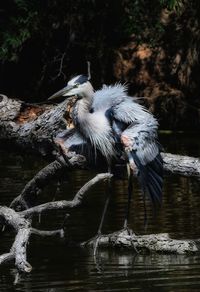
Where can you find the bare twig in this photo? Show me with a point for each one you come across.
(88, 69)
(60, 60)
(44, 233)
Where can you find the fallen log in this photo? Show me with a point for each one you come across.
(32, 127)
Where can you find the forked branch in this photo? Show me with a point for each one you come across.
(22, 225)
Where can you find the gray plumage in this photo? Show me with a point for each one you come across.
(109, 117)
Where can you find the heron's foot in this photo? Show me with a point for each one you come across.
(127, 233)
(94, 242)
(59, 143)
(133, 167)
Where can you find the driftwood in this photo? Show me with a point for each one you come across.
(160, 243)
(32, 127)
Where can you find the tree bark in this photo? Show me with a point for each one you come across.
(160, 243)
(30, 126)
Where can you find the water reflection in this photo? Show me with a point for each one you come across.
(58, 267)
(75, 270)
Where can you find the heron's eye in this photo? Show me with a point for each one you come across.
(76, 85)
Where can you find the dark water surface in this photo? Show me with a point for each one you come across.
(57, 267)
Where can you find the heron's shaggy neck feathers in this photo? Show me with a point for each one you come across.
(94, 126)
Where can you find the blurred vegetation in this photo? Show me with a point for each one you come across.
(44, 42)
(154, 45)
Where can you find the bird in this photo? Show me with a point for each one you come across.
(115, 125)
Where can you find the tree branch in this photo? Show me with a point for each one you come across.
(18, 249)
(182, 165)
(67, 204)
(42, 178)
(22, 226)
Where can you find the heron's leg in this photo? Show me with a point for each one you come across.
(130, 191)
(59, 142)
(109, 193)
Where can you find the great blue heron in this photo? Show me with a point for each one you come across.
(113, 122)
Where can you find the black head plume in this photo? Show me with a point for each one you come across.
(81, 79)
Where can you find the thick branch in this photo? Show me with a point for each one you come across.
(30, 126)
(182, 165)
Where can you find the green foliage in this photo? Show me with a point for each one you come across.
(92, 23)
(172, 4)
(50, 39)
(143, 21)
(17, 29)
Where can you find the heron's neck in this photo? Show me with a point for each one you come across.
(82, 110)
(83, 106)
(87, 93)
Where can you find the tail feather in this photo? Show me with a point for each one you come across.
(157, 187)
(151, 178)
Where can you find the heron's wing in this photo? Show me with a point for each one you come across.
(140, 128)
(146, 155)
(74, 141)
(108, 96)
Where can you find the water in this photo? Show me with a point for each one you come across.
(58, 267)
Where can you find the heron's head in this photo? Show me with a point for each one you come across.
(79, 86)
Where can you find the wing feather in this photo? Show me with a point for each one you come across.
(141, 131)
(73, 140)
(109, 96)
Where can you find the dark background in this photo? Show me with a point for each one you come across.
(152, 45)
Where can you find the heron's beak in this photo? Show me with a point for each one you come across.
(61, 92)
